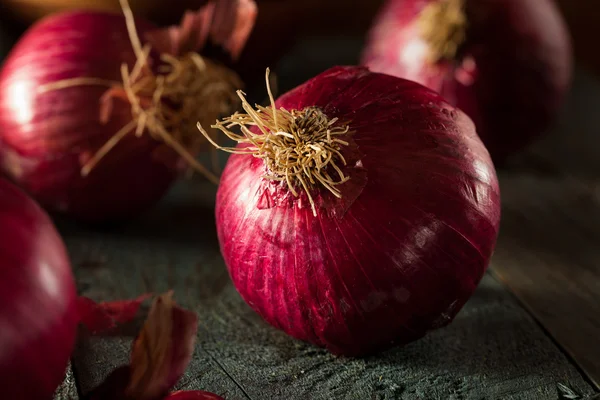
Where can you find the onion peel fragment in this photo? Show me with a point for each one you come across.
(193, 395)
(106, 318)
(159, 356)
(301, 147)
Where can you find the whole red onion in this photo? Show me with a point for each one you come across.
(393, 221)
(506, 63)
(38, 315)
(49, 137)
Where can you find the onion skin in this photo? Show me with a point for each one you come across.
(193, 395)
(46, 137)
(410, 246)
(512, 74)
(160, 353)
(38, 314)
(109, 317)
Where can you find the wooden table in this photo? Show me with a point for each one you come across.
(533, 323)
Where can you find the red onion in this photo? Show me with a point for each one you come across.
(506, 63)
(78, 84)
(364, 216)
(38, 315)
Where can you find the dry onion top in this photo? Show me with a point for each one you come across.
(166, 104)
(443, 26)
(301, 147)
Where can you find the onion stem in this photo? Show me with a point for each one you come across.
(443, 25)
(300, 147)
(166, 104)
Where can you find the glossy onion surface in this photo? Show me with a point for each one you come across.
(46, 138)
(402, 251)
(511, 73)
(38, 317)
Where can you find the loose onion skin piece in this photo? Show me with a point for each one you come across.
(404, 248)
(46, 137)
(511, 72)
(161, 351)
(38, 315)
(193, 395)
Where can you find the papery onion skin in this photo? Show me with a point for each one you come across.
(45, 138)
(510, 77)
(38, 315)
(193, 395)
(410, 249)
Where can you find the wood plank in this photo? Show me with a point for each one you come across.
(68, 389)
(548, 248)
(494, 349)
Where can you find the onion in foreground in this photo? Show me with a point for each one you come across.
(98, 110)
(506, 63)
(38, 314)
(361, 213)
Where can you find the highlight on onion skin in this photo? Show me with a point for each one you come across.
(38, 315)
(398, 241)
(98, 110)
(47, 137)
(506, 63)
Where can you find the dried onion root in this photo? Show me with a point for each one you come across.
(300, 147)
(166, 104)
(443, 25)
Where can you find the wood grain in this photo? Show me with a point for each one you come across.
(494, 349)
(68, 389)
(548, 248)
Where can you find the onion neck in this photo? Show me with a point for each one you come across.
(302, 148)
(443, 25)
(166, 100)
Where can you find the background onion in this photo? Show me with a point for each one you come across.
(403, 249)
(32, 10)
(279, 22)
(46, 137)
(510, 74)
(38, 316)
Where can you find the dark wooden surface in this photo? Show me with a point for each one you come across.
(493, 350)
(549, 252)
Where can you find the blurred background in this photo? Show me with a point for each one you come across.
(334, 17)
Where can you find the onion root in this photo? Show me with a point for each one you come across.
(166, 104)
(300, 147)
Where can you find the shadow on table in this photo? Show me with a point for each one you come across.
(492, 344)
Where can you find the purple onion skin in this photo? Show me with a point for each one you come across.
(46, 138)
(410, 248)
(193, 395)
(38, 316)
(511, 77)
